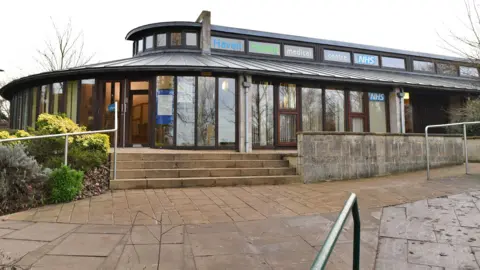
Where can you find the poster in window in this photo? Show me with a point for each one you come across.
(164, 107)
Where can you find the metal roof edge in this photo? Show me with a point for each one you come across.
(160, 24)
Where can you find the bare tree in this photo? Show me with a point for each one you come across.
(4, 105)
(65, 50)
(468, 45)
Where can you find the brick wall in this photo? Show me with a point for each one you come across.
(331, 156)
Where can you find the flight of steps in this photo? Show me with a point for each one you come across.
(171, 170)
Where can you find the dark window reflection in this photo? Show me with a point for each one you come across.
(186, 111)
(262, 114)
(206, 112)
(226, 112)
(334, 110)
(312, 109)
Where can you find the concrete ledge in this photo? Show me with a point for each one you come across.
(377, 134)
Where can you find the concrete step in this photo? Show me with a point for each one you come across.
(194, 164)
(202, 172)
(202, 181)
(195, 156)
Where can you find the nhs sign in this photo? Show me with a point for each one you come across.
(376, 97)
(365, 59)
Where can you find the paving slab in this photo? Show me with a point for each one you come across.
(14, 224)
(80, 244)
(42, 231)
(12, 250)
(93, 228)
(67, 262)
(442, 255)
(232, 262)
(209, 244)
(143, 257)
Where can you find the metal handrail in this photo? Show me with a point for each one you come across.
(427, 148)
(66, 135)
(322, 257)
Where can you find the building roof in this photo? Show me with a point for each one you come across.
(188, 61)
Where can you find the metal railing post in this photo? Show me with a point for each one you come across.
(115, 143)
(356, 236)
(465, 146)
(427, 151)
(66, 150)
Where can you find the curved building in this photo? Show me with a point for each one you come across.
(193, 85)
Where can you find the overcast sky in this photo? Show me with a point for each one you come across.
(402, 24)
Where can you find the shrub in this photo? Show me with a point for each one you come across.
(21, 134)
(56, 124)
(83, 160)
(22, 180)
(469, 112)
(64, 184)
(100, 142)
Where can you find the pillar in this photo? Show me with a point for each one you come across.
(397, 113)
(205, 33)
(244, 140)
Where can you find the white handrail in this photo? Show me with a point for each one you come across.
(427, 152)
(114, 130)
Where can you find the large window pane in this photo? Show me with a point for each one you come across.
(86, 103)
(148, 42)
(57, 97)
(262, 114)
(468, 71)
(140, 45)
(162, 40)
(44, 99)
(377, 113)
(185, 111)
(334, 110)
(175, 39)
(447, 69)
(164, 111)
(288, 128)
(206, 111)
(34, 106)
(356, 102)
(288, 96)
(357, 124)
(392, 62)
(72, 100)
(226, 112)
(312, 109)
(191, 39)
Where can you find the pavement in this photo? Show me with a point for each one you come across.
(254, 227)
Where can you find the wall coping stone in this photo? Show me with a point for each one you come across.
(378, 134)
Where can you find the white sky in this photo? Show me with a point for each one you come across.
(402, 24)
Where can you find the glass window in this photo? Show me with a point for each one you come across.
(334, 110)
(264, 47)
(312, 119)
(176, 39)
(423, 66)
(148, 42)
(140, 45)
(206, 112)
(365, 59)
(139, 85)
(57, 97)
(191, 39)
(356, 102)
(185, 111)
(262, 114)
(164, 113)
(377, 112)
(34, 106)
(226, 112)
(161, 40)
(44, 99)
(468, 71)
(86, 103)
(357, 124)
(447, 69)
(392, 62)
(72, 100)
(336, 56)
(288, 96)
(288, 128)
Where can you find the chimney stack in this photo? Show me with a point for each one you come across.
(205, 36)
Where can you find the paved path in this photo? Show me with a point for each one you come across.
(259, 227)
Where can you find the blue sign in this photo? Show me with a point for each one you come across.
(164, 107)
(376, 97)
(111, 107)
(365, 59)
(228, 44)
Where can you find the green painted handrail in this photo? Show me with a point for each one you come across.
(322, 257)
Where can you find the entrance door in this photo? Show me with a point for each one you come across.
(111, 93)
(138, 114)
(287, 120)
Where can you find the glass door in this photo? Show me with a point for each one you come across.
(111, 93)
(138, 114)
(287, 121)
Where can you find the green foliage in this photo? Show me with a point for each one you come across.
(85, 160)
(56, 124)
(100, 142)
(21, 134)
(64, 184)
(469, 112)
(22, 179)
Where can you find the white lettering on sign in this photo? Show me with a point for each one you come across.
(297, 51)
(376, 97)
(228, 44)
(366, 59)
(336, 56)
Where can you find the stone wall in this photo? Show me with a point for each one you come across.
(473, 147)
(331, 156)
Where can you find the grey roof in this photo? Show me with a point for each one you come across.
(317, 71)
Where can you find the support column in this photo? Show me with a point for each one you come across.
(397, 113)
(244, 124)
(205, 34)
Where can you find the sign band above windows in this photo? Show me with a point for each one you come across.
(264, 48)
(365, 59)
(298, 52)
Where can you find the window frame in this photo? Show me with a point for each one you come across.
(457, 69)
(393, 68)
(197, 39)
(366, 65)
(156, 40)
(434, 71)
(468, 76)
(323, 49)
(153, 43)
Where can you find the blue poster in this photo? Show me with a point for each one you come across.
(164, 107)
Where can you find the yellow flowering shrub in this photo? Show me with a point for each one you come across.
(56, 124)
(22, 133)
